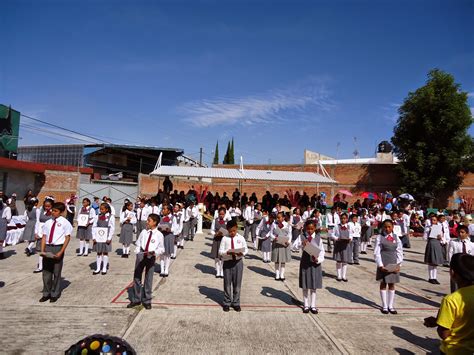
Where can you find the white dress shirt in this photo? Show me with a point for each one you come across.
(143, 213)
(249, 214)
(378, 255)
(332, 220)
(62, 229)
(128, 214)
(111, 225)
(90, 211)
(191, 213)
(156, 242)
(7, 213)
(298, 244)
(227, 217)
(177, 227)
(226, 245)
(341, 232)
(354, 229)
(456, 246)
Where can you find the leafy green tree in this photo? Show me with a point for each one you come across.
(226, 156)
(216, 154)
(431, 138)
(231, 153)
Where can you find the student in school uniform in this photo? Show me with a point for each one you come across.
(446, 238)
(405, 225)
(257, 217)
(434, 250)
(463, 245)
(307, 213)
(128, 219)
(56, 234)
(281, 253)
(249, 215)
(332, 220)
(311, 273)
(29, 232)
(388, 251)
(190, 221)
(264, 233)
(42, 216)
(149, 245)
(233, 266)
(164, 227)
(342, 252)
(227, 217)
(142, 216)
(108, 200)
(354, 232)
(366, 231)
(71, 209)
(105, 219)
(177, 229)
(235, 211)
(295, 220)
(84, 233)
(217, 231)
(6, 216)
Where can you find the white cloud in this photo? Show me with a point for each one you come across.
(276, 105)
(391, 112)
(470, 94)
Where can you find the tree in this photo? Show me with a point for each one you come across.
(231, 153)
(226, 156)
(216, 154)
(431, 138)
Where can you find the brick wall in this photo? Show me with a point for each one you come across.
(60, 184)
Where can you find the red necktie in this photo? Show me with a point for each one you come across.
(51, 233)
(390, 238)
(232, 246)
(48, 213)
(464, 251)
(310, 238)
(148, 242)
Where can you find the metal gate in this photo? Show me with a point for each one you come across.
(117, 191)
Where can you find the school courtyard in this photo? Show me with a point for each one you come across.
(187, 317)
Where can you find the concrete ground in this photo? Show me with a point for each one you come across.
(187, 317)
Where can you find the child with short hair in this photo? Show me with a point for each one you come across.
(461, 245)
(56, 234)
(455, 320)
(29, 232)
(311, 273)
(388, 251)
(232, 250)
(354, 232)
(42, 216)
(149, 245)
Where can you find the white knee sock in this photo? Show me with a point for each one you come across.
(162, 264)
(344, 270)
(363, 246)
(167, 264)
(305, 298)
(339, 270)
(105, 262)
(31, 246)
(430, 272)
(98, 262)
(313, 298)
(391, 298)
(124, 249)
(218, 267)
(277, 271)
(435, 272)
(383, 296)
(86, 247)
(282, 271)
(81, 246)
(222, 267)
(175, 250)
(40, 263)
(91, 245)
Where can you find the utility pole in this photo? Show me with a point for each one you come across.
(200, 156)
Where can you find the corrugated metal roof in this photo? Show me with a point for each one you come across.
(235, 174)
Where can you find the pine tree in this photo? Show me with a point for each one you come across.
(227, 155)
(216, 154)
(231, 153)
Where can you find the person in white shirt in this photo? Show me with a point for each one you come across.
(462, 245)
(128, 219)
(103, 231)
(388, 252)
(43, 214)
(232, 250)
(149, 245)
(190, 221)
(257, 217)
(165, 227)
(405, 225)
(235, 211)
(332, 220)
(366, 231)
(311, 273)
(281, 248)
(342, 251)
(177, 229)
(142, 216)
(218, 230)
(112, 208)
(434, 251)
(446, 238)
(264, 233)
(249, 215)
(85, 219)
(354, 233)
(56, 235)
(227, 216)
(307, 213)
(6, 216)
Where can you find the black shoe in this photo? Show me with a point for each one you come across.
(173, 257)
(96, 273)
(356, 263)
(133, 304)
(338, 279)
(282, 279)
(162, 275)
(38, 271)
(85, 254)
(436, 282)
(104, 273)
(79, 254)
(123, 256)
(431, 281)
(226, 308)
(147, 305)
(393, 311)
(305, 310)
(217, 276)
(345, 280)
(53, 299)
(44, 299)
(237, 308)
(314, 310)
(384, 311)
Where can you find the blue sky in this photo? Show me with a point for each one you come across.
(278, 76)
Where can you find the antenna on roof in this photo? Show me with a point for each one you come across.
(158, 162)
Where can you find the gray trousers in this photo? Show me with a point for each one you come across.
(148, 264)
(355, 245)
(189, 228)
(247, 230)
(405, 241)
(253, 231)
(52, 272)
(141, 225)
(233, 270)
